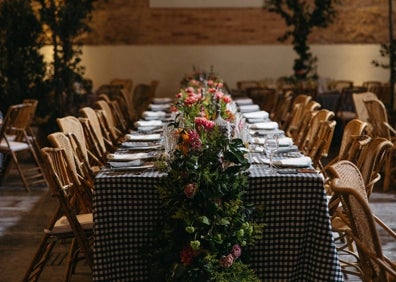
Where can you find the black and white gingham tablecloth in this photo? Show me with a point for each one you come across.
(297, 244)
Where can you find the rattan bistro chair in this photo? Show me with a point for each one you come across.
(68, 222)
(372, 264)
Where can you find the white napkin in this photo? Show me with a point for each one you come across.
(159, 107)
(294, 162)
(243, 101)
(258, 114)
(150, 115)
(285, 141)
(127, 157)
(249, 108)
(162, 100)
(145, 137)
(264, 125)
(134, 163)
(141, 123)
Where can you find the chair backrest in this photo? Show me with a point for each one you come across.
(371, 161)
(79, 170)
(339, 85)
(281, 109)
(244, 85)
(15, 123)
(320, 146)
(352, 129)
(141, 99)
(378, 118)
(347, 182)
(72, 128)
(93, 120)
(311, 137)
(360, 108)
(64, 188)
(112, 127)
(126, 84)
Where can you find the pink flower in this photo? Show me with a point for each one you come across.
(194, 139)
(201, 121)
(219, 95)
(226, 99)
(236, 251)
(226, 261)
(179, 95)
(210, 82)
(190, 190)
(220, 84)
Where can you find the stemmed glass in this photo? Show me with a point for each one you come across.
(271, 145)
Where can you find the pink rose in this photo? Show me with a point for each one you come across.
(226, 99)
(236, 251)
(227, 261)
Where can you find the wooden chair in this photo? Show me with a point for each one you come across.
(15, 140)
(300, 123)
(244, 85)
(103, 143)
(68, 223)
(281, 109)
(141, 99)
(320, 148)
(112, 128)
(378, 118)
(371, 85)
(125, 83)
(295, 112)
(81, 175)
(349, 185)
(73, 129)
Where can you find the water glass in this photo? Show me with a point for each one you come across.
(271, 145)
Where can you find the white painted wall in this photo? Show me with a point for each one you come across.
(168, 64)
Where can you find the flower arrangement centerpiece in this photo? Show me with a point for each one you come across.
(207, 225)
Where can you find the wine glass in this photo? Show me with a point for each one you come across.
(271, 145)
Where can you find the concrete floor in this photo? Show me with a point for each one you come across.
(23, 215)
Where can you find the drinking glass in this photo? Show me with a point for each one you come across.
(271, 145)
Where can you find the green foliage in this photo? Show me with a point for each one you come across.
(302, 16)
(204, 214)
(22, 69)
(66, 21)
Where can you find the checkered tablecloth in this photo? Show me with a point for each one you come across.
(297, 244)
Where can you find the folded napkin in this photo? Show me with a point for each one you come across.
(258, 115)
(127, 157)
(141, 123)
(143, 137)
(149, 115)
(162, 100)
(294, 162)
(134, 163)
(249, 108)
(243, 101)
(285, 141)
(159, 107)
(287, 149)
(264, 125)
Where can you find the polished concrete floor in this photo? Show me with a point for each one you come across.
(24, 215)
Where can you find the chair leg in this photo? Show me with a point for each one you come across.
(387, 171)
(40, 259)
(72, 260)
(20, 171)
(43, 252)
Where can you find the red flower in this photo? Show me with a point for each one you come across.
(186, 255)
(190, 190)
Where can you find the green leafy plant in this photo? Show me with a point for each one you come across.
(302, 16)
(22, 69)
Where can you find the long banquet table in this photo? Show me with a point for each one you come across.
(297, 244)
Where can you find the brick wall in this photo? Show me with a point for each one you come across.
(133, 22)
